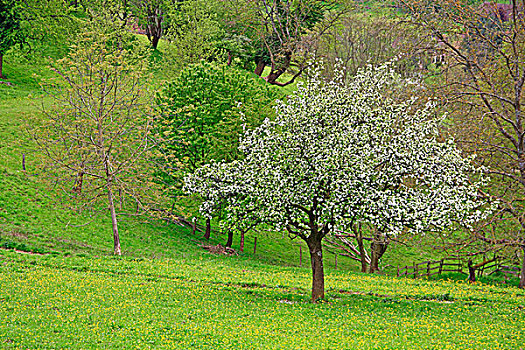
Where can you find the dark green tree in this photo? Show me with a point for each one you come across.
(11, 32)
(203, 112)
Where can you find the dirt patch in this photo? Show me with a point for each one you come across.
(22, 251)
(15, 233)
(218, 249)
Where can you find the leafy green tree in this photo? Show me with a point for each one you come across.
(340, 156)
(11, 30)
(196, 32)
(204, 110)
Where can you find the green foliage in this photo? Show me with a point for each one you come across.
(11, 32)
(196, 32)
(205, 109)
(97, 137)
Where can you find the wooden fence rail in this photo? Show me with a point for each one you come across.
(431, 268)
(437, 267)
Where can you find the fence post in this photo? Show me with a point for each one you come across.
(415, 270)
(300, 256)
(428, 269)
(441, 267)
(23, 161)
(397, 270)
(336, 261)
(254, 245)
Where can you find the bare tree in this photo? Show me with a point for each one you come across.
(283, 33)
(362, 38)
(98, 134)
(352, 245)
(482, 83)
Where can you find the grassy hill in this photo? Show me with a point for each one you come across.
(61, 288)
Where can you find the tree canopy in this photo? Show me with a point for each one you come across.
(339, 155)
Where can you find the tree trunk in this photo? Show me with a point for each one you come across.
(377, 248)
(78, 183)
(522, 274)
(230, 239)
(230, 58)
(374, 259)
(471, 272)
(1, 66)
(316, 257)
(259, 68)
(208, 229)
(116, 238)
(241, 245)
(276, 73)
(155, 41)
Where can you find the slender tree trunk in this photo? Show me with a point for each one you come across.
(78, 183)
(374, 259)
(522, 274)
(155, 41)
(259, 68)
(230, 239)
(230, 58)
(361, 246)
(116, 238)
(1, 66)
(208, 229)
(316, 257)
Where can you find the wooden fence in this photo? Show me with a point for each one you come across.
(430, 268)
(508, 271)
(437, 267)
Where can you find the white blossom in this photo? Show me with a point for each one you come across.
(346, 153)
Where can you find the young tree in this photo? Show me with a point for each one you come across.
(98, 135)
(483, 84)
(340, 156)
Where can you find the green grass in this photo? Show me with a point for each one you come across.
(201, 303)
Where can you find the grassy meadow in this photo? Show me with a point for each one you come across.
(213, 303)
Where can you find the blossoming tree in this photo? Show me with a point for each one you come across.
(338, 155)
